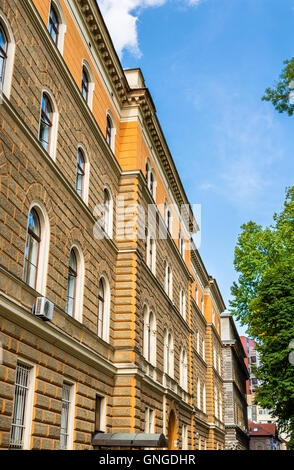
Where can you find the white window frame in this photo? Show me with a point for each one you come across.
(108, 224)
(184, 437)
(204, 398)
(113, 129)
(29, 403)
(203, 348)
(80, 279)
(149, 328)
(168, 353)
(183, 369)
(198, 394)
(86, 66)
(107, 301)
(71, 414)
(151, 260)
(62, 24)
(9, 63)
(43, 256)
(85, 192)
(149, 420)
(183, 304)
(55, 119)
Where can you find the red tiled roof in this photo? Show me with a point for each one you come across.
(267, 429)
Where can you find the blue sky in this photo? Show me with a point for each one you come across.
(207, 64)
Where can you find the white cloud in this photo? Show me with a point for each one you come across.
(121, 18)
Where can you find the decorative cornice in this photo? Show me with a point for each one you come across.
(141, 97)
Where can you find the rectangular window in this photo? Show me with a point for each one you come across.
(100, 414)
(22, 411)
(184, 437)
(67, 417)
(149, 421)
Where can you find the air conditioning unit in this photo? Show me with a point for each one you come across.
(44, 309)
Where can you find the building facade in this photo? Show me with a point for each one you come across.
(129, 338)
(235, 375)
(264, 437)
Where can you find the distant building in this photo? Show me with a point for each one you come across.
(257, 414)
(235, 376)
(264, 437)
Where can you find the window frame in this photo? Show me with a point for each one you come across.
(52, 144)
(43, 249)
(86, 69)
(71, 415)
(59, 43)
(28, 408)
(6, 84)
(103, 331)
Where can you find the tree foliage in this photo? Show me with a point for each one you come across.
(263, 299)
(279, 94)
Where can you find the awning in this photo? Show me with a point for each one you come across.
(129, 440)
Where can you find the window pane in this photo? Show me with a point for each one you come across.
(45, 123)
(32, 249)
(85, 85)
(3, 54)
(108, 130)
(101, 309)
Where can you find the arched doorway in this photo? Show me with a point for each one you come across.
(172, 430)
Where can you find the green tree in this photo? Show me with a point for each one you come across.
(279, 94)
(263, 299)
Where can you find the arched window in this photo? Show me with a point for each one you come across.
(215, 403)
(32, 249)
(167, 216)
(198, 394)
(203, 348)
(147, 170)
(197, 341)
(183, 369)
(183, 304)
(88, 85)
(152, 184)
(196, 294)
(71, 284)
(46, 122)
(3, 54)
(80, 177)
(220, 407)
(168, 280)
(108, 130)
(181, 244)
(149, 340)
(57, 24)
(36, 249)
(151, 253)
(168, 353)
(48, 125)
(107, 212)
(103, 309)
(85, 84)
(53, 26)
(204, 398)
(7, 50)
(75, 281)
